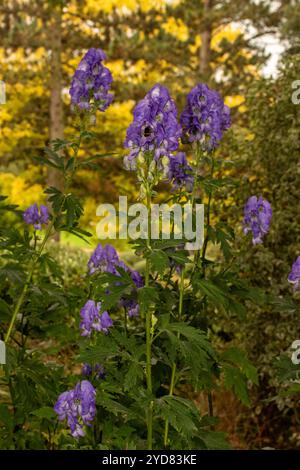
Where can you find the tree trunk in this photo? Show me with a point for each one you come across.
(206, 38)
(56, 130)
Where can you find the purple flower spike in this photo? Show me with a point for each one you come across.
(91, 82)
(257, 218)
(35, 216)
(104, 259)
(180, 172)
(294, 276)
(205, 117)
(106, 322)
(78, 407)
(154, 128)
(91, 319)
(98, 369)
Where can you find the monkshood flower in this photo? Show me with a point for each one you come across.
(98, 369)
(205, 117)
(294, 276)
(91, 82)
(78, 407)
(35, 216)
(180, 172)
(257, 218)
(154, 129)
(104, 260)
(92, 319)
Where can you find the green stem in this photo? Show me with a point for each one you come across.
(27, 283)
(148, 334)
(174, 366)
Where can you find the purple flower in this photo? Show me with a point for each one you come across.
(88, 370)
(294, 276)
(91, 82)
(205, 117)
(154, 128)
(78, 406)
(137, 278)
(106, 322)
(104, 259)
(91, 319)
(35, 216)
(180, 172)
(257, 218)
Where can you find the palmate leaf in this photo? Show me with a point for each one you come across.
(181, 413)
(196, 337)
(214, 440)
(236, 381)
(239, 358)
(105, 348)
(134, 375)
(159, 261)
(148, 297)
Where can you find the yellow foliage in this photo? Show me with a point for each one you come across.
(233, 101)
(19, 190)
(176, 28)
(228, 32)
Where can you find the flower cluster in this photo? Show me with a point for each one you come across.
(97, 369)
(180, 172)
(257, 218)
(93, 319)
(91, 82)
(294, 276)
(35, 216)
(105, 259)
(154, 129)
(205, 117)
(78, 406)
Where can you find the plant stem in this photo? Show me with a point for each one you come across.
(27, 283)
(148, 332)
(174, 366)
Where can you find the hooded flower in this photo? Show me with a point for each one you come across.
(257, 218)
(91, 82)
(205, 117)
(106, 260)
(154, 128)
(35, 216)
(180, 172)
(78, 407)
(98, 369)
(91, 319)
(294, 276)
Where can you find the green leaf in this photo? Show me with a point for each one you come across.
(147, 297)
(235, 380)
(159, 261)
(45, 412)
(239, 358)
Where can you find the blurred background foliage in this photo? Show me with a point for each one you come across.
(177, 43)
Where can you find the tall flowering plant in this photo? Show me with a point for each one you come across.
(143, 339)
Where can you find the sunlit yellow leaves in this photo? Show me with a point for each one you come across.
(176, 28)
(19, 190)
(229, 33)
(126, 6)
(234, 101)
